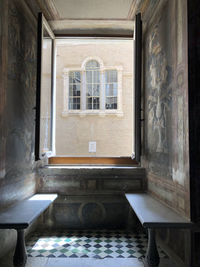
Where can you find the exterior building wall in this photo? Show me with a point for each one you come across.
(110, 129)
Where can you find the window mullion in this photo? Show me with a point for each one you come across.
(83, 91)
(92, 89)
(102, 90)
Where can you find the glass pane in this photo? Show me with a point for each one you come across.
(107, 90)
(70, 90)
(96, 77)
(96, 103)
(71, 77)
(111, 90)
(111, 76)
(107, 76)
(89, 89)
(96, 90)
(89, 103)
(115, 90)
(111, 102)
(74, 77)
(92, 64)
(70, 103)
(89, 76)
(74, 103)
(76, 90)
(77, 76)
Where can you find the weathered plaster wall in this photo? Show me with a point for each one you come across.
(166, 150)
(17, 99)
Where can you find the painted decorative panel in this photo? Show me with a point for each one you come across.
(158, 84)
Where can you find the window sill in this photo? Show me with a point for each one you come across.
(101, 113)
(88, 167)
(88, 161)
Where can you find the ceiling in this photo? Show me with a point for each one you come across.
(93, 9)
(93, 17)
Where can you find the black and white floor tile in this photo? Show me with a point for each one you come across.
(88, 244)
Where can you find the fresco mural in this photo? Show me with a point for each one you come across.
(158, 105)
(166, 116)
(160, 95)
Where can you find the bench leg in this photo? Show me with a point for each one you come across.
(152, 257)
(20, 256)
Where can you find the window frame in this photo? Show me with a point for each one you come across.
(72, 96)
(137, 73)
(92, 83)
(109, 83)
(43, 25)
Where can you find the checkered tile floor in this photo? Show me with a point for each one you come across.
(89, 244)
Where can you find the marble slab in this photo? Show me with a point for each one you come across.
(21, 215)
(153, 214)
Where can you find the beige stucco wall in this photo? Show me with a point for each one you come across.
(112, 133)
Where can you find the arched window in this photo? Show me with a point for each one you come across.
(93, 89)
(92, 85)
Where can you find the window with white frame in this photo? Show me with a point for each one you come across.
(74, 90)
(93, 85)
(93, 89)
(111, 89)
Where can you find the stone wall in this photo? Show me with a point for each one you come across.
(17, 100)
(166, 150)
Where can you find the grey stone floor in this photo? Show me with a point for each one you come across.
(66, 262)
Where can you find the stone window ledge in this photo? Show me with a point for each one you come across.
(77, 167)
(83, 113)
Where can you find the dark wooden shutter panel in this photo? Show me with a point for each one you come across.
(138, 71)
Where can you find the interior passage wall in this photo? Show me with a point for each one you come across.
(166, 155)
(194, 122)
(17, 100)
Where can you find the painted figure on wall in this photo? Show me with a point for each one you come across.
(160, 93)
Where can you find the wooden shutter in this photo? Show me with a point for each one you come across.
(138, 71)
(43, 26)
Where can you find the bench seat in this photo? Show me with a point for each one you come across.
(20, 216)
(154, 215)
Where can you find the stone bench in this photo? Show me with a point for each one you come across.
(154, 215)
(20, 216)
